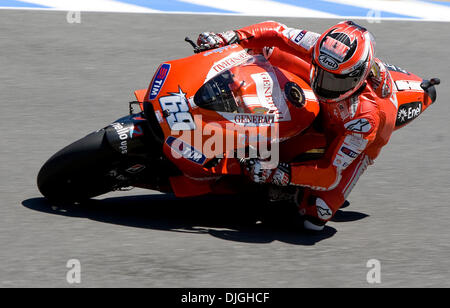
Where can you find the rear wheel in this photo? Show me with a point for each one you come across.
(80, 170)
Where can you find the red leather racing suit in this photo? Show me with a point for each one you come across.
(355, 128)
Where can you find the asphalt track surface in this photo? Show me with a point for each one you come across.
(60, 81)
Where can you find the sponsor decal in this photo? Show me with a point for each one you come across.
(138, 118)
(340, 163)
(356, 142)
(220, 50)
(294, 94)
(309, 40)
(394, 68)
(160, 77)
(270, 96)
(291, 33)
(349, 152)
(249, 119)
(265, 90)
(159, 116)
(328, 62)
(303, 38)
(323, 211)
(260, 110)
(343, 111)
(177, 108)
(281, 178)
(408, 112)
(347, 109)
(334, 48)
(136, 131)
(124, 133)
(135, 169)
(358, 125)
(299, 37)
(408, 85)
(226, 63)
(185, 150)
(254, 118)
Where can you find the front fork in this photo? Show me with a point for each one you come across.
(141, 161)
(127, 135)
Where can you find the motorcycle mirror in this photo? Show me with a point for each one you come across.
(429, 83)
(435, 81)
(428, 87)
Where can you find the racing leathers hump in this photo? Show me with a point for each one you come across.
(270, 33)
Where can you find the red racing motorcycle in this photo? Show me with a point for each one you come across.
(197, 120)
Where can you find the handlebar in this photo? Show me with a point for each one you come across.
(197, 48)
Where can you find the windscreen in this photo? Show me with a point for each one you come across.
(216, 94)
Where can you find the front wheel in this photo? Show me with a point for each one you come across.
(80, 170)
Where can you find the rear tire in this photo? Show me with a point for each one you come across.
(80, 170)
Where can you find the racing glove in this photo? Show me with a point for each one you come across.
(280, 176)
(211, 40)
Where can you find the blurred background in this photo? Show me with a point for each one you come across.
(68, 68)
(421, 10)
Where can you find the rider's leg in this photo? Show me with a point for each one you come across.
(318, 207)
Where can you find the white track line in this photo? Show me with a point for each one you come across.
(262, 8)
(423, 10)
(413, 8)
(93, 5)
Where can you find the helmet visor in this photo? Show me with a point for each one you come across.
(331, 86)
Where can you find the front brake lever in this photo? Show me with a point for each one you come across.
(197, 49)
(187, 39)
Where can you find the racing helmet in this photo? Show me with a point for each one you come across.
(341, 62)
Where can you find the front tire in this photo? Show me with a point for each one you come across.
(80, 170)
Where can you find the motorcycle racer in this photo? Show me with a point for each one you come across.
(358, 107)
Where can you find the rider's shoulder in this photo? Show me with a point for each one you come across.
(364, 113)
(380, 80)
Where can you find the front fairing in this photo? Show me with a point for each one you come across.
(262, 110)
(411, 99)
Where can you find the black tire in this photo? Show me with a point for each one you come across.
(79, 171)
